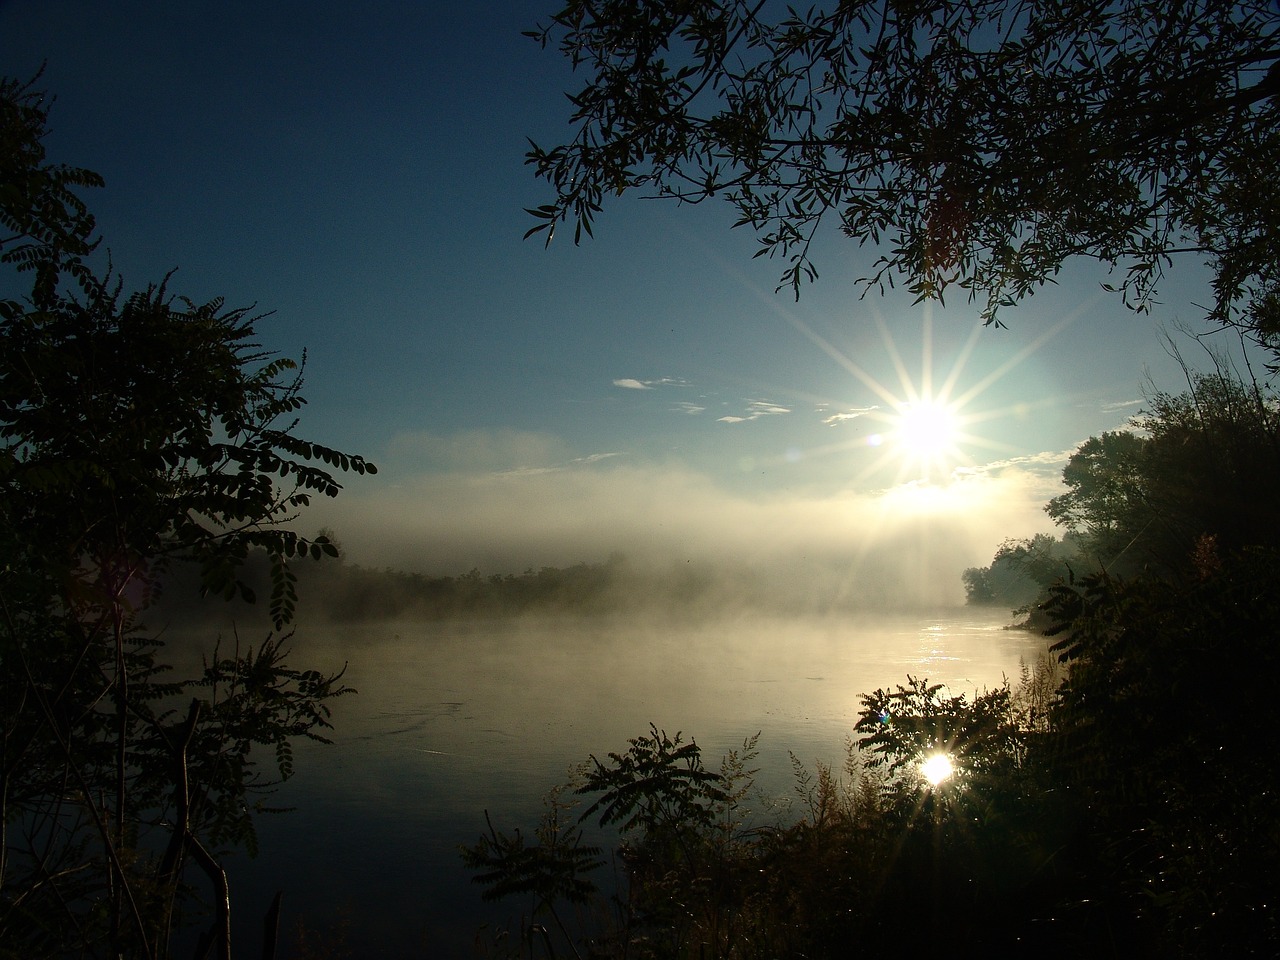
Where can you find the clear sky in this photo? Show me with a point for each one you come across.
(358, 169)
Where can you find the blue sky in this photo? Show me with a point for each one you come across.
(358, 169)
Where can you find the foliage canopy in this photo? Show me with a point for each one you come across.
(985, 142)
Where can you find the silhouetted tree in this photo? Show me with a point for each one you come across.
(1202, 470)
(1105, 498)
(978, 587)
(1212, 461)
(48, 229)
(135, 432)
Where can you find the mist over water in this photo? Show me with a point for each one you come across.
(454, 718)
(899, 548)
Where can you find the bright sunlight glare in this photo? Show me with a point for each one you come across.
(923, 433)
(936, 768)
(926, 430)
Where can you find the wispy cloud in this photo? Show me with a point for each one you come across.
(502, 452)
(1038, 475)
(848, 415)
(755, 410)
(528, 471)
(630, 383)
(692, 409)
(1045, 458)
(1119, 405)
(476, 451)
(597, 457)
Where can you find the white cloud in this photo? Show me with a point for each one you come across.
(848, 415)
(1053, 459)
(765, 408)
(755, 410)
(630, 383)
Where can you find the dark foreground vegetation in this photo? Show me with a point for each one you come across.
(136, 431)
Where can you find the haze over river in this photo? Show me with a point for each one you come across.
(456, 718)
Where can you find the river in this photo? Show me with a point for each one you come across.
(453, 719)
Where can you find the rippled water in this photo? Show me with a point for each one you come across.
(458, 718)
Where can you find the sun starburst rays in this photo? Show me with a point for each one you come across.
(920, 426)
(923, 433)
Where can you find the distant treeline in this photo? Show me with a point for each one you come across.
(348, 592)
(345, 592)
(1022, 570)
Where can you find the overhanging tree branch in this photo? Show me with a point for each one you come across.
(947, 129)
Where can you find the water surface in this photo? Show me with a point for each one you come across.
(453, 719)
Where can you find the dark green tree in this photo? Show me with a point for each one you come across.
(1212, 459)
(1106, 496)
(978, 587)
(1199, 473)
(136, 432)
(980, 143)
(47, 228)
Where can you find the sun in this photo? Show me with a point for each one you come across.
(921, 430)
(937, 768)
(926, 432)
(915, 427)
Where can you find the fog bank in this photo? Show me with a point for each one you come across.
(903, 546)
